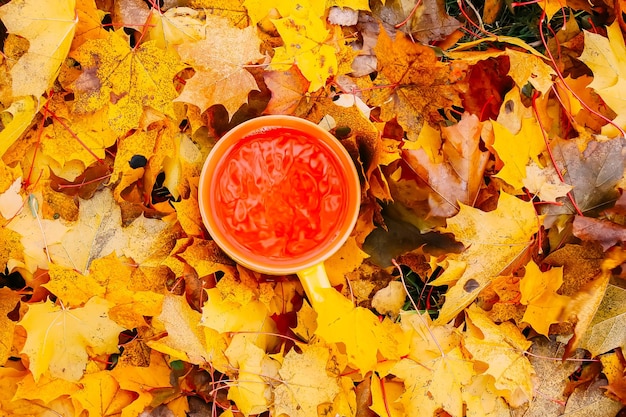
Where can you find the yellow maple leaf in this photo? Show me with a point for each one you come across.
(606, 57)
(98, 232)
(176, 26)
(339, 321)
(255, 369)
(100, 395)
(124, 79)
(71, 287)
(493, 240)
(49, 29)
(306, 45)
(515, 150)
(434, 384)
(545, 182)
(501, 349)
(219, 60)
(70, 138)
(185, 340)
(224, 315)
(62, 339)
(306, 383)
(142, 380)
(539, 294)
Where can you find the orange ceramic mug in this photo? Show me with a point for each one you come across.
(280, 195)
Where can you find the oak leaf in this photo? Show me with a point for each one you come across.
(492, 243)
(539, 293)
(124, 80)
(219, 61)
(61, 340)
(49, 29)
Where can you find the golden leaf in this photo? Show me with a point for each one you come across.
(62, 339)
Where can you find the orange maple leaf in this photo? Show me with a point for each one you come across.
(219, 60)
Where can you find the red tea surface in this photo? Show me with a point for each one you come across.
(280, 193)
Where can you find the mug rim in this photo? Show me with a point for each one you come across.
(260, 263)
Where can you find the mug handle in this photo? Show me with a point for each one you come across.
(313, 279)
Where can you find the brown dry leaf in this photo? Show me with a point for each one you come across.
(412, 85)
(493, 243)
(458, 178)
(219, 62)
(604, 232)
(287, 87)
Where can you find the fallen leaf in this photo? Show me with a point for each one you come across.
(220, 63)
(539, 294)
(605, 57)
(544, 182)
(49, 31)
(306, 44)
(515, 150)
(8, 302)
(411, 84)
(456, 179)
(607, 329)
(22, 113)
(590, 401)
(593, 173)
(492, 243)
(100, 395)
(124, 79)
(605, 232)
(287, 87)
(61, 340)
(306, 383)
(338, 321)
(501, 349)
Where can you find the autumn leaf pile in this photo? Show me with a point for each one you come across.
(489, 244)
